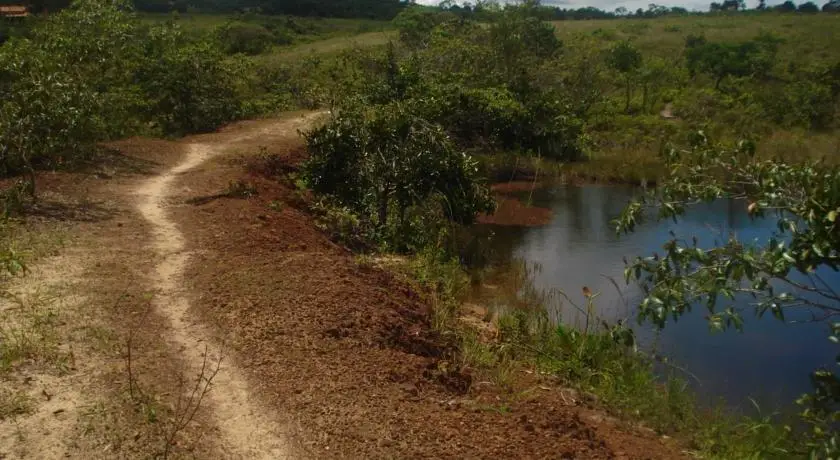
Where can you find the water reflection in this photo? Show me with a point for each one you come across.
(770, 361)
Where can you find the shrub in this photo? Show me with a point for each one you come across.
(753, 58)
(803, 102)
(384, 165)
(67, 86)
(47, 115)
(190, 85)
(415, 25)
(245, 38)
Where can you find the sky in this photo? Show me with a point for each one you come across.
(633, 5)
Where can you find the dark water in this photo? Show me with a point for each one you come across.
(769, 362)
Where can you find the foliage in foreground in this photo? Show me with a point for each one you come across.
(780, 276)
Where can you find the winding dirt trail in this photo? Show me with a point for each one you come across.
(247, 431)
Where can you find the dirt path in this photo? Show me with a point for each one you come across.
(247, 433)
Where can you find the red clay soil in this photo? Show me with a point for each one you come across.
(343, 352)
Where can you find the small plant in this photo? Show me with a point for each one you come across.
(14, 198)
(240, 189)
(13, 403)
(190, 397)
(188, 402)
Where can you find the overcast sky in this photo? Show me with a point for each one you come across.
(611, 5)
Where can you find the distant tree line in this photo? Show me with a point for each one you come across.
(787, 7)
(482, 9)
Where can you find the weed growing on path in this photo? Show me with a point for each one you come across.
(187, 405)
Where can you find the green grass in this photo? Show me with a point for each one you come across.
(28, 321)
(316, 36)
(327, 46)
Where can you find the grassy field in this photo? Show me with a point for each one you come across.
(627, 148)
(328, 46)
(808, 38)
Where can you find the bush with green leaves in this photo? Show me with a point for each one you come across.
(779, 274)
(809, 99)
(416, 23)
(754, 58)
(245, 38)
(93, 72)
(190, 85)
(385, 164)
(493, 87)
(625, 59)
(62, 85)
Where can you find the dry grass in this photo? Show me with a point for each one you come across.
(13, 403)
(798, 145)
(29, 334)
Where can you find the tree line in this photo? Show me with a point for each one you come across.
(481, 10)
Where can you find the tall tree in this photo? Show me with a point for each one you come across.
(627, 60)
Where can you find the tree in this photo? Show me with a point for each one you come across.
(626, 59)
(786, 7)
(654, 75)
(832, 7)
(762, 5)
(779, 275)
(416, 23)
(190, 85)
(733, 5)
(809, 7)
(520, 41)
(752, 58)
(382, 164)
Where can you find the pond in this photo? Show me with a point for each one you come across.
(576, 246)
